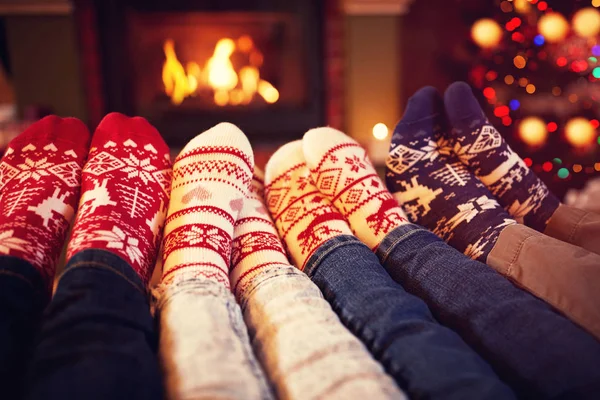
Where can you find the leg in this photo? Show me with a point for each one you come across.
(285, 312)
(425, 358)
(578, 227)
(537, 351)
(98, 339)
(458, 208)
(23, 296)
(40, 177)
(204, 344)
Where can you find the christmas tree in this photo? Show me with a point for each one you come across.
(537, 66)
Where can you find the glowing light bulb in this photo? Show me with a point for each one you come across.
(380, 131)
(553, 26)
(586, 22)
(487, 33)
(533, 131)
(580, 132)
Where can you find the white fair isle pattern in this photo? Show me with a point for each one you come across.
(125, 190)
(211, 177)
(304, 217)
(40, 177)
(285, 312)
(342, 171)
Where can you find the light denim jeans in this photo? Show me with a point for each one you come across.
(204, 346)
(426, 359)
(540, 353)
(305, 350)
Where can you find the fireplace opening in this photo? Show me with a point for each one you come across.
(188, 65)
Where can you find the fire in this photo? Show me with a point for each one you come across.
(229, 86)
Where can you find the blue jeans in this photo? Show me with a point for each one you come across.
(425, 358)
(96, 338)
(537, 351)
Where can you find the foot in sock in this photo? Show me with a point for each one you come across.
(211, 178)
(124, 193)
(256, 244)
(483, 150)
(435, 189)
(41, 179)
(304, 217)
(342, 171)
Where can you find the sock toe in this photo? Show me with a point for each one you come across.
(425, 103)
(319, 141)
(462, 107)
(286, 157)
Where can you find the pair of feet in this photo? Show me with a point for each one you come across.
(124, 187)
(454, 174)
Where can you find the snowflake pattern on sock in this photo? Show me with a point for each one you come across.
(437, 190)
(482, 149)
(125, 192)
(211, 177)
(343, 172)
(40, 177)
(256, 244)
(304, 217)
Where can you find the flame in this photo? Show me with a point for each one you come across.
(219, 75)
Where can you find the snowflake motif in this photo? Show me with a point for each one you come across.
(471, 209)
(444, 146)
(355, 163)
(33, 169)
(463, 153)
(8, 242)
(117, 239)
(139, 168)
(205, 234)
(430, 150)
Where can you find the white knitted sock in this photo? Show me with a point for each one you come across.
(211, 177)
(304, 217)
(342, 172)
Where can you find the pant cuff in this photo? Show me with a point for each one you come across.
(505, 252)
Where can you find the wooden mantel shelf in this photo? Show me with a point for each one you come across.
(35, 7)
(376, 7)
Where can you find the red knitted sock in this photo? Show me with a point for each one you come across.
(40, 181)
(125, 191)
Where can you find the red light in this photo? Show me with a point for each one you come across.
(506, 121)
(501, 111)
(552, 126)
(542, 6)
(595, 123)
(491, 75)
(489, 93)
(518, 37)
(528, 162)
(533, 1)
(579, 66)
(547, 166)
(561, 61)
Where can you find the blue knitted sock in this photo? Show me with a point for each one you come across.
(483, 150)
(435, 189)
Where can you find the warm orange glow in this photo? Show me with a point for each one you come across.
(219, 75)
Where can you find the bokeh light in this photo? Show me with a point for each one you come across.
(553, 26)
(586, 22)
(380, 131)
(533, 131)
(563, 173)
(580, 132)
(487, 33)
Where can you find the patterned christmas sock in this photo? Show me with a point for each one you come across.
(256, 244)
(435, 189)
(480, 147)
(342, 171)
(304, 217)
(211, 178)
(125, 192)
(40, 184)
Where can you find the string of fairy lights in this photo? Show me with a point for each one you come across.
(523, 53)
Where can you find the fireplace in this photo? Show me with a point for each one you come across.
(187, 65)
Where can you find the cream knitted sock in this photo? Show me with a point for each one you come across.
(342, 172)
(211, 177)
(304, 217)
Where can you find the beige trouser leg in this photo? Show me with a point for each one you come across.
(563, 275)
(575, 226)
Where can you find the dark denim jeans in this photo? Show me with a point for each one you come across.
(425, 358)
(540, 353)
(97, 338)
